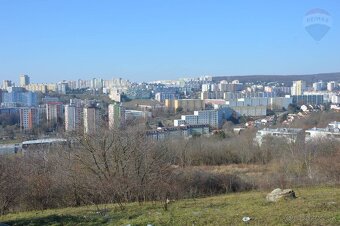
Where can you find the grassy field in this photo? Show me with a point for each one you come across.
(10, 141)
(314, 206)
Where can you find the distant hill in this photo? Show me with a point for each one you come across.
(287, 79)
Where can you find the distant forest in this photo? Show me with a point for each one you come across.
(286, 79)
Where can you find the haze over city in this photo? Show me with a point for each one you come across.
(150, 40)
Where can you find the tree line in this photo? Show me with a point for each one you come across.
(121, 166)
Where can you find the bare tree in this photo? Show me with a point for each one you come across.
(123, 165)
(11, 182)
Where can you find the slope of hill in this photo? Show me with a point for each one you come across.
(314, 206)
(287, 79)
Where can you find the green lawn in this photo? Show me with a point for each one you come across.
(314, 206)
(17, 141)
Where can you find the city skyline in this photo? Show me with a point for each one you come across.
(144, 41)
(169, 112)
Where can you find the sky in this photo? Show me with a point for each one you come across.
(145, 40)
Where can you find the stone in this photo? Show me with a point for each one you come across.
(278, 194)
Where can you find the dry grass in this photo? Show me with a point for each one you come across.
(314, 206)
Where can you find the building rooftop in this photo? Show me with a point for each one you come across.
(182, 127)
(44, 141)
(282, 130)
(333, 127)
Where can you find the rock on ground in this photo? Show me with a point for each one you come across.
(279, 194)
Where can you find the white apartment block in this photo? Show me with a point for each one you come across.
(134, 114)
(327, 96)
(290, 134)
(116, 115)
(190, 119)
(54, 111)
(205, 87)
(209, 117)
(73, 117)
(115, 95)
(253, 106)
(254, 111)
(298, 88)
(318, 86)
(213, 118)
(91, 119)
(332, 131)
(331, 86)
(24, 80)
(273, 103)
(335, 99)
(179, 122)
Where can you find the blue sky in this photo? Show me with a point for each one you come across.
(144, 40)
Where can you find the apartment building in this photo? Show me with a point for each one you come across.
(213, 118)
(91, 119)
(116, 115)
(29, 118)
(73, 117)
(332, 131)
(298, 88)
(162, 96)
(54, 111)
(186, 105)
(289, 134)
(178, 132)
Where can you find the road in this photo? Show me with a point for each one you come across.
(9, 148)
